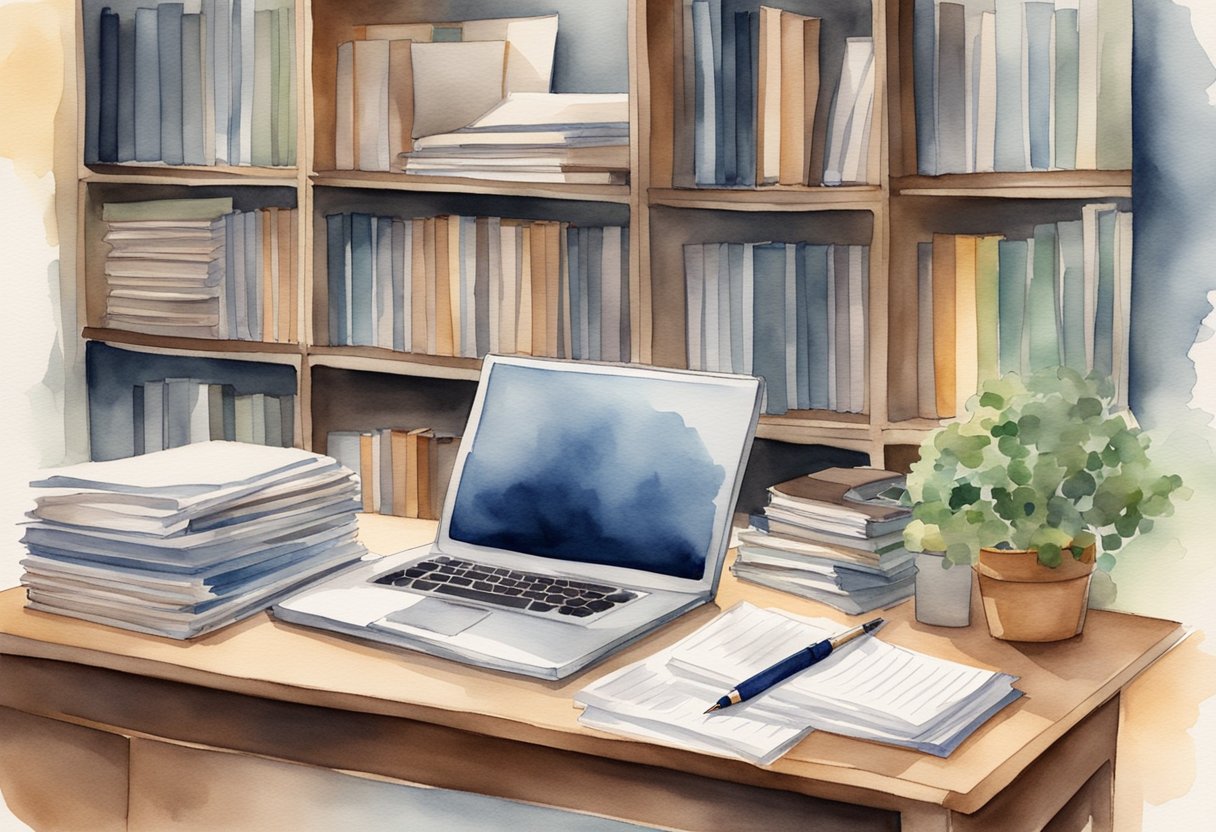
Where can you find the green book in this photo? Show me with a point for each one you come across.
(263, 85)
(1041, 324)
(1011, 302)
(1068, 69)
(276, 101)
(1072, 294)
(167, 209)
(987, 314)
(1115, 85)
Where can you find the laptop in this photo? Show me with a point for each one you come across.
(589, 505)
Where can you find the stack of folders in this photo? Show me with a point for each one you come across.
(535, 137)
(835, 536)
(184, 541)
(402, 472)
(870, 690)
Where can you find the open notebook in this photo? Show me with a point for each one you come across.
(870, 690)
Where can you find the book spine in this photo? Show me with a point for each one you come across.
(768, 97)
(126, 90)
(1114, 132)
(769, 323)
(986, 96)
(841, 330)
(402, 261)
(336, 277)
(951, 89)
(705, 125)
(1068, 67)
(1010, 98)
(421, 323)
(481, 286)
(1038, 18)
(987, 315)
(816, 267)
(926, 384)
(792, 136)
(263, 89)
(382, 279)
(1041, 307)
(249, 48)
(108, 60)
(944, 323)
(745, 107)
(966, 329)
(1088, 61)
(924, 50)
(734, 258)
(802, 337)
(859, 314)
(362, 270)
(192, 90)
(169, 46)
(1011, 303)
(1105, 302)
(728, 95)
(1072, 294)
(612, 290)
(219, 42)
(147, 110)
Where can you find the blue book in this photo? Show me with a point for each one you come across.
(768, 327)
(337, 228)
(126, 89)
(1041, 301)
(1072, 294)
(841, 330)
(107, 116)
(219, 26)
(1010, 111)
(1038, 82)
(626, 349)
(192, 90)
(1068, 79)
(361, 276)
(481, 291)
(715, 29)
(1011, 302)
(382, 281)
(169, 45)
(400, 309)
(734, 261)
(595, 283)
(705, 126)
(924, 85)
(815, 265)
(747, 32)
(725, 67)
(147, 87)
(1104, 332)
(951, 89)
(802, 336)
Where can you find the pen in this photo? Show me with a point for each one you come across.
(790, 665)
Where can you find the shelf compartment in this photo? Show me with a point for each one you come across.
(1055, 184)
(379, 180)
(774, 198)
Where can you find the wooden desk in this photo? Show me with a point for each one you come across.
(140, 716)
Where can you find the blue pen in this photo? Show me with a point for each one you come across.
(790, 665)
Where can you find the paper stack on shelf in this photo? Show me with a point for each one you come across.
(835, 536)
(184, 541)
(934, 707)
(578, 138)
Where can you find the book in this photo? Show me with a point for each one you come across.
(951, 88)
(1011, 302)
(1011, 151)
(1038, 26)
(924, 75)
(1067, 87)
(799, 67)
(1114, 108)
(192, 98)
(820, 497)
(944, 324)
(769, 358)
(1072, 293)
(169, 51)
(147, 111)
(1042, 309)
(966, 329)
(768, 97)
(797, 527)
(826, 590)
(706, 96)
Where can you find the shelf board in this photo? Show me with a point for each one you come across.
(208, 346)
(381, 180)
(380, 360)
(1052, 184)
(190, 175)
(818, 427)
(772, 198)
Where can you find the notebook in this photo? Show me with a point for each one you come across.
(589, 504)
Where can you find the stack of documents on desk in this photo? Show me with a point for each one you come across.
(578, 138)
(835, 536)
(183, 541)
(870, 690)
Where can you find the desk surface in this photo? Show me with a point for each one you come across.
(1063, 683)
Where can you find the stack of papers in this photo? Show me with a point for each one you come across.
(180, 542)
(535, 137)
(870, 690)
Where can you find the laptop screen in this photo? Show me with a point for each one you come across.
(604, 465)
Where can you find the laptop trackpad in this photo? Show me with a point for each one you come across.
(438, 616)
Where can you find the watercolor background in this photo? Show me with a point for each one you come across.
(1167, 757)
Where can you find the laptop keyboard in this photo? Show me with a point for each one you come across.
(525, 592)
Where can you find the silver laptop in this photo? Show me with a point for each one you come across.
(589, 505)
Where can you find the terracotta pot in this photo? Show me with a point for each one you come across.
(1026, 601)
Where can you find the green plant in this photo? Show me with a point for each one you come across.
(1042, 463)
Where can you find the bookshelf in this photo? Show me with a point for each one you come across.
(623, 46)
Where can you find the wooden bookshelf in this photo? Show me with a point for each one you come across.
(635, 52)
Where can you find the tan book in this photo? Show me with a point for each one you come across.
(432, 285)
(455, 284)
(810, 86)
(540, 287)
(285, 308)
(400, 477)
(768, 98)
(367, 472)
(420, 322)
(423, 474)
(944, 323)
(371, 71)
(400, 100)
(344, 109)
(791, 170)
(553, 290)
(523, 329)
(269, 227)
(966, 332)
(444, 342)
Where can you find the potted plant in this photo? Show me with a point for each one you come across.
(1038, 474)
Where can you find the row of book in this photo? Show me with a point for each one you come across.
(402, 472)
(188, 540)
(748, 109)
(988, 305)
(212, 87)
(198, 268)
(835, 536)
(468, 286)
(172, 412)
(1019, 85)
(794, 313)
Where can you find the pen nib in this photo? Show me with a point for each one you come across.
(712, 708)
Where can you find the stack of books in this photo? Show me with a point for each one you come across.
(794, 313)
(179, 88)
(835, 536)
(402, 472)
(988, 305)
(197, 268)
(185, 541)
(468, 286)
(1019, 86)
(535, 137)
(870, 690)
(747, 102)
(172, 412)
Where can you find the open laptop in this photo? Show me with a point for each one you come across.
(589, 505)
